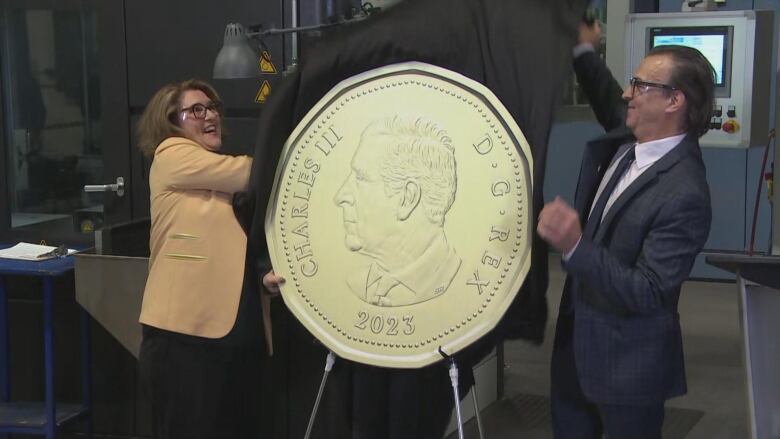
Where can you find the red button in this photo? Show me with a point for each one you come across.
(731, 126)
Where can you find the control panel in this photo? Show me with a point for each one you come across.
(738, 45)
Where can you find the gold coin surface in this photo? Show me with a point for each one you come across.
(399, 215)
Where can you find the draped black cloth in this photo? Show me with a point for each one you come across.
(520, 49)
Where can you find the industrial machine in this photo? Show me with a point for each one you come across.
(738, 44)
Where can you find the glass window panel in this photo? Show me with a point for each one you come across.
(51, 114)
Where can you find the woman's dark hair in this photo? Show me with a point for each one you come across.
(695, 78)
(160, 117)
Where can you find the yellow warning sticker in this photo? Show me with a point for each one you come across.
(266, 65)
(262, 94)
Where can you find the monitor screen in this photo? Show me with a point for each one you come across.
(711, 41)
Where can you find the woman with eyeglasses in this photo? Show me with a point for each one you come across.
(202, 349)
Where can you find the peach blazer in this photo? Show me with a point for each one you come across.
(198, 248)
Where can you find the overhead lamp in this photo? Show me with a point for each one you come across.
(238, 59)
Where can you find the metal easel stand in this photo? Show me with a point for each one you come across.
(477, 411)
(453, 371)
(329, 360)
(456, 394)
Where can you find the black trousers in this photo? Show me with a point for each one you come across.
(200, 388)
(400, 403)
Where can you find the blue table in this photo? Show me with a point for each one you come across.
(43, 417)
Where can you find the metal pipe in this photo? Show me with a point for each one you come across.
(295, 34)
(85, 78)
(290, 30)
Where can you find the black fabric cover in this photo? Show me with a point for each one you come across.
(520, 49)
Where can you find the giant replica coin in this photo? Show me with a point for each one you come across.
(400, 215)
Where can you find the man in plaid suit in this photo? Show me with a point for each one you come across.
(641, 214)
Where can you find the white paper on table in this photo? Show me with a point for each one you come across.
(30, 252)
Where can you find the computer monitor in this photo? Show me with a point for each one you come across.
(714, 42)
(738, 44)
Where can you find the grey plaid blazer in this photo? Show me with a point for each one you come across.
(623, 285)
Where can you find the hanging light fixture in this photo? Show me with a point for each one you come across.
(236, 59)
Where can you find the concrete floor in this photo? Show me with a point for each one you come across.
(713, 360)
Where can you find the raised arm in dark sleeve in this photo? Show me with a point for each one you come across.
(602, 90)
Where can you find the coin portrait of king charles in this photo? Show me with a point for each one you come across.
(394, 202)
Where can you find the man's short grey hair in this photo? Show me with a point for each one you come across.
(418, 150)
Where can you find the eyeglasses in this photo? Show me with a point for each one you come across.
(644, 86)
(199, 110)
